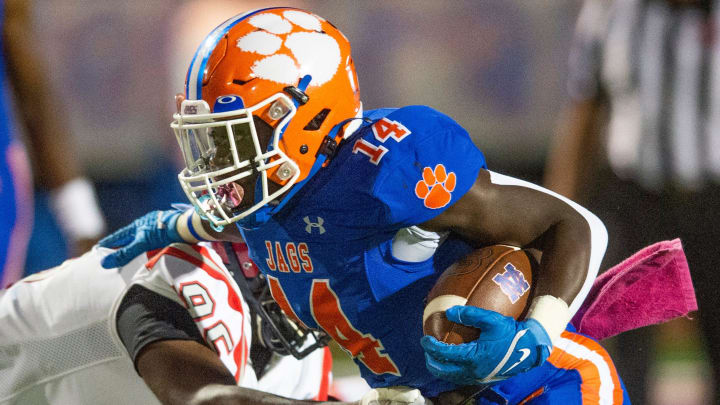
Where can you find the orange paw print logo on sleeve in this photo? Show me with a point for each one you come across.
(436, 187)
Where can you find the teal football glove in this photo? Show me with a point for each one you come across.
(505, 348)
(154, 230)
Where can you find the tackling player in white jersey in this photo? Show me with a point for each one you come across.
(171, 326)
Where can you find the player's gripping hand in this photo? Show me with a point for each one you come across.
(154, 230)
(505, 348)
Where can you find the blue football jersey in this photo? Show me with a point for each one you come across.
(327, 255)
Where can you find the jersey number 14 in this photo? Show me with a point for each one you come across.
(382, 129)
(328, 314)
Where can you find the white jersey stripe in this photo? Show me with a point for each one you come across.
(203, 255)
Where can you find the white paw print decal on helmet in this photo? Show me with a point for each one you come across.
(311, 52)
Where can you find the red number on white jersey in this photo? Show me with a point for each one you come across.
(212, 299)
(220, 336)
(197, 299)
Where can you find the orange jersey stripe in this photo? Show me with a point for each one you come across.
(279, 296)
(532, 396)
(600, 380)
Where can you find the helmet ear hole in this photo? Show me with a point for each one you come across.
(317, 121)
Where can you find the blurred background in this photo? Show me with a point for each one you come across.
(499, 67)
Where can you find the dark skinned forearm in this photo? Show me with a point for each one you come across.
(520, 216)
(233, 395)
(186, 372)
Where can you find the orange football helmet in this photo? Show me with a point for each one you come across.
(279, 71)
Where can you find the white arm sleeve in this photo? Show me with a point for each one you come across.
(598, 239)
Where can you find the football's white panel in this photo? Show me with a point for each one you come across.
(441, 304)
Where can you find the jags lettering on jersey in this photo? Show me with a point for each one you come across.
(288, 257)
(382, 129)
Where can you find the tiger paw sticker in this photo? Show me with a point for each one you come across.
(282, 44)
(436, 187)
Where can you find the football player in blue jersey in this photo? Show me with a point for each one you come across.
(353, 215)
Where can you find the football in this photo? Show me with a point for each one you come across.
(498, 278)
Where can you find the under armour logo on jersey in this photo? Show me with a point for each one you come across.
(312, 225)
(512, 282)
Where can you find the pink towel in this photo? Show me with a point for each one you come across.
(652, 286)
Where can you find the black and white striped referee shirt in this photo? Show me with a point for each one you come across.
(658, 64)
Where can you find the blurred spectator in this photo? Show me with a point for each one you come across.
(647, 73)
(41, 118)
(109, 61)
